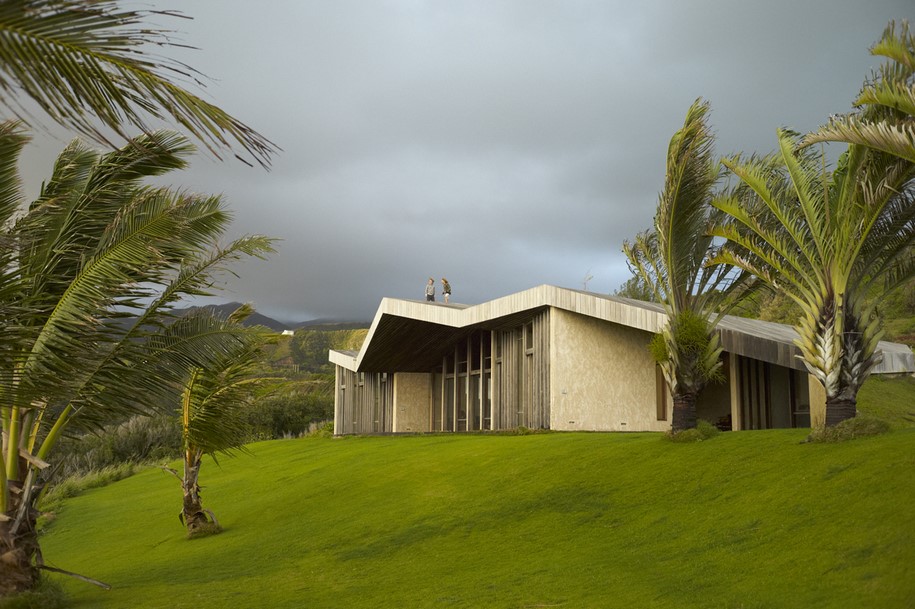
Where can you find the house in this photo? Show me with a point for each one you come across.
(561, 359)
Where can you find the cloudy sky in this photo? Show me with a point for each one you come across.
(501, 143)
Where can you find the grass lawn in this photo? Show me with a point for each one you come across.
(745, 520)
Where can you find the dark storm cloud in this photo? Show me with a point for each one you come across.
(501, 144)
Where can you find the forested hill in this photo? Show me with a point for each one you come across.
(258, 319)
(308, 348)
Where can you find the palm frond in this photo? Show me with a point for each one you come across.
(218, 386)
(896, 139)
(681, 217)
(85, 64)
(898, 47)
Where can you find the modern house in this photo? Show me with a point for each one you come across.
(562, 359)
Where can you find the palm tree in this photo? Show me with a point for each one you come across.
(835, 242)
(89, 65)
(671, 260)
(886, 119)
(96, 264)
(213, 397)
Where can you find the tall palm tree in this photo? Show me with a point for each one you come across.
(671, 260)
(886, 117)
(96, 264)
(90, 65)
(213, 397)
(827, 239)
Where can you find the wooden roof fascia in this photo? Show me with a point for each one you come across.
(345, 359)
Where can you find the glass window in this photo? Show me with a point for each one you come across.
(663, 393)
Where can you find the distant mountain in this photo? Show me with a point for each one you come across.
(224, 310)
(257, 319)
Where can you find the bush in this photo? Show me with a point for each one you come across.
(289, 415)
(325, 430)
(206, 529)
(861, 426)
(48, 595)
(703, 431)
(140, 439)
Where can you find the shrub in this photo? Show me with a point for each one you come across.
(861, 426)
(140, 439)
(690, 336)
(204, 530)
(325, 430)
(703, 431)
(289, 415)
(48, 595)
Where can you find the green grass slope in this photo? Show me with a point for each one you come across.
(745, 520)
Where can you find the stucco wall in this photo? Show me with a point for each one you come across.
(602, 377)
(412, 401)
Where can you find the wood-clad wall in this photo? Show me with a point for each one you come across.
(521, 375)
(364, 403)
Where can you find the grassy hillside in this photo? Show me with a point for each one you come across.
(745, 520)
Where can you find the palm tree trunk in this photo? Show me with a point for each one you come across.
(839, 409)
(194, 516)
(684, 412)
(19, 550)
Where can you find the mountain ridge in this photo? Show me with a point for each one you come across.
(259, 319)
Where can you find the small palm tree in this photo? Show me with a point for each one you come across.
(671, 260)
(214, 396)
(835, 242)
(89, 64)
(91, 269)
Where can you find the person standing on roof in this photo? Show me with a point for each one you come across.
(446, 290)
(430, 290)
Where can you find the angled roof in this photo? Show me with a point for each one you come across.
(413, 335)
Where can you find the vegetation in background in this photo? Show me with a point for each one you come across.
(898, 312)
(292, 412)
(138, 440)
(635, 288)
(308, 348)
(671, 260)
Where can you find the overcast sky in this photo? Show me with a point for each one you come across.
(502, 144)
